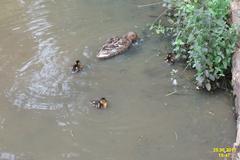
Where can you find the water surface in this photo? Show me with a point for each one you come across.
(45, 111)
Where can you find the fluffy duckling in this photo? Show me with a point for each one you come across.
(170, 58)
(100, 104)
(117, 45)
(77, 67)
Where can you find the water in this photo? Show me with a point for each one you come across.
(45, 111)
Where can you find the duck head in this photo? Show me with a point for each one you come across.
(132, 36)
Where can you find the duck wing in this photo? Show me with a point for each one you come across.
(113, 47)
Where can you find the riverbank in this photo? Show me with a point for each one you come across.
(235, 7)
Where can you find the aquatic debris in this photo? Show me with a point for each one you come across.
(173, 77)
(169, 94)
(174, 71)
(208, 86)
(176, 136)
(100, 104)
(117, 45)
(140, 138)
(211, 113)
(77, 67)
(174, 82)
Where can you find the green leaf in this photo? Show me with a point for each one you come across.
(202, 35)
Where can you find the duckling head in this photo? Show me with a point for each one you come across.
(103, 99)
(132, 36)
(103, 103)
(77, 61)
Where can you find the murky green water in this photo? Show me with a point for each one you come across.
(45, 111)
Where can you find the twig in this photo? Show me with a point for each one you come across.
(169, 94)
(71, 133)
(185, 68)
(150, 4)
(159, 16)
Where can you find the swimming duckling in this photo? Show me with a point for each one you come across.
(170, 58)
(117, 45)
(77, 67)
(100, 104)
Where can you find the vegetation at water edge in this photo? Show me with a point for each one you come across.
(203, 35)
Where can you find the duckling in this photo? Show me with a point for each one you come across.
(77, 67)
(117, 45)
(100, 104)
(170, 58)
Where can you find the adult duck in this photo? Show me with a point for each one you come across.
(117, 45)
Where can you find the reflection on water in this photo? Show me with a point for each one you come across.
(7, 156)
(45, 106)
(42, 75)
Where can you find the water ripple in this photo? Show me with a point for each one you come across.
(41, 82)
